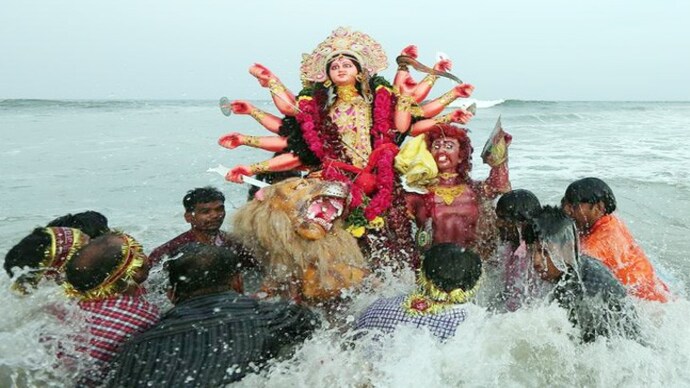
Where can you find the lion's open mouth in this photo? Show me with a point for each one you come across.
(324, 210)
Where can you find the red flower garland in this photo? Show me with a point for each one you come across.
(385, 179)
(308, 111)
(316, 137)
(382, 134)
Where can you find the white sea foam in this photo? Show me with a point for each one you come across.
(481, 104)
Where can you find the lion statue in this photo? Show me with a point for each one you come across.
(294, 229)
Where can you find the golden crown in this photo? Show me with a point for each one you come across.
(366, 50)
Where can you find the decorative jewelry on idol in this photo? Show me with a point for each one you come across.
(259, 168)
(447, 98)
(430, 299)
(251, 141)
(257, 114)
(368, 53)
(448, 193)
(448, 175)
(328, 83)
(408, 104)
(430, 79)
(120, 278)
(445, 119)
(275, 86)
(347, 93)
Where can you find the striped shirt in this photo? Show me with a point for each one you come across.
(111, 322)
(210, 340)
(387, 314)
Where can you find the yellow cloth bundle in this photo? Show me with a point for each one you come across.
(415, 162)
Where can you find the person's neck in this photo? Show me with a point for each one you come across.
(206, 291)
(205, 236)
(133, 290)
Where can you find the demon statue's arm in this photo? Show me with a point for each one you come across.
(496, 156)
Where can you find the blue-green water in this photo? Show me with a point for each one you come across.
(134, 160)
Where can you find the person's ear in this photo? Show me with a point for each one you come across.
(237, 283)
(601, 207)
(188, 217)
(171, 294)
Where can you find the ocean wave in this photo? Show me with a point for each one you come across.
(28, 104)
(481, 104)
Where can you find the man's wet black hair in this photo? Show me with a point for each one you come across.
(90, 222)
(29, 252)
(518, 205)
(450, 267)
(550, 222)
(92, 264)
(590, 190)
(201, 195)
(202, 266)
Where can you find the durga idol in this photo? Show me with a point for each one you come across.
(347, 122)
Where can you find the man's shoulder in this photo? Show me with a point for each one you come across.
(597, 277)
(182, 238)
(172, 245)
(383, 307)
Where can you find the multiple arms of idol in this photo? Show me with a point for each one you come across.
(410, 94)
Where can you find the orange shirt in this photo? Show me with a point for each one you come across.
(611, 242)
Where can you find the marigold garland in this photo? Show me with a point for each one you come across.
(430, 299)
(117, 280)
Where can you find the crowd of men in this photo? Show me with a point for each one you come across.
(578, 254)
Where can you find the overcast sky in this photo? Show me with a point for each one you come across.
(166, 49)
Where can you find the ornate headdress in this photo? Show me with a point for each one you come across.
(366, 50)
(132, 259)
(64, 242)
(429, 299)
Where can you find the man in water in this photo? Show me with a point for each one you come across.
(42, 254)
(214, 335)
(596, 302)
(205, 213)
(93, 223)
(449, 276)
(590, 203)
(105, 276)
(513, 210)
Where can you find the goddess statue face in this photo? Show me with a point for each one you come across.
(342, 71)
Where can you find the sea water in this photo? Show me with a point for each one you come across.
(134, 160)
